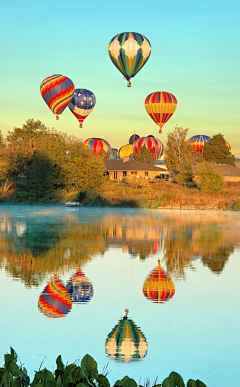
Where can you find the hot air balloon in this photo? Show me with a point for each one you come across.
(55, 300)
(129, 52)
(80, 288)
(57, 91)
(114, 153)
(82, 104)
(197, 142)
(133, 138)
(98, 145)
(126, 342)
(158, 287)
(160, 106)
(153, 144)
(126, 151)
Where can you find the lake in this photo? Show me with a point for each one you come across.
(145, 292)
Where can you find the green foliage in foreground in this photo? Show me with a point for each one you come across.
(72, 375)
(208, 179)
(235, 205)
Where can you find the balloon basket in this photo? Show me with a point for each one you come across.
(129, 84)
(160, 130)
(80, 125)
(57, 117)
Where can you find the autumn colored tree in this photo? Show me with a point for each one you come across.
(217, 151)
(177, 148)
(208, 179)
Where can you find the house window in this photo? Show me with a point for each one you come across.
(146, 173)
(115, 175)
(134, 173)
(124, 173)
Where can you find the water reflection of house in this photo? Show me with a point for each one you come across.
(9, 226)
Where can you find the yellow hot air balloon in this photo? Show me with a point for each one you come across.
(126, 150)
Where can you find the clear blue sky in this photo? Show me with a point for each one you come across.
(195, 56)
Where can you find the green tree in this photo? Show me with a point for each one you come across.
(145, 155)
(217, 151)
(177, 148)
(83, 169)
(208, 179)
(185, 173)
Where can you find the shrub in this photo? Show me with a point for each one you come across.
(185, 174)
(208, 179)
(235, 205)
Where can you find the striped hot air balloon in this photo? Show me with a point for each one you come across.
(129, 52)
(158, 287)
(98, 145)
(160, 106)
(197, 142)
(82, 104)
(126, 342)
(57, 91)
(55, 300)
(80, 288)
(126, 151)
(153, 144)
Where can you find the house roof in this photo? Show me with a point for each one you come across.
(131, 165)
(224, 169)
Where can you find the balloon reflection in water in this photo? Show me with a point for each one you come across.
(158, 286)
(126, 342)
(80, 288)
(55, 300)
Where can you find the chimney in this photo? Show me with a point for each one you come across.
(126, 158)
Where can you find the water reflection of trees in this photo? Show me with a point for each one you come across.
(32, 250)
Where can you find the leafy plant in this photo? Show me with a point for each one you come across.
(208, 179)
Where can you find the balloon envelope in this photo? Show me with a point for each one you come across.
(160, 106)
(197, 142)
(126, 342)
(57, 91)
(82, 103)
(153, 144)
(129, 52)
(55, 300)
(126, 150)
(80, 288)
(98, 145)
(133, 138)
(158, 287)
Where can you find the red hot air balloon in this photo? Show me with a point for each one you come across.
(160, 106)
(55, 300)
(98, 145)
(57, 91)
(153, 144)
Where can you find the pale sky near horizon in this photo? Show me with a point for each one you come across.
(195, 56)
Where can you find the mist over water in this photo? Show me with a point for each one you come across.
(146, 291)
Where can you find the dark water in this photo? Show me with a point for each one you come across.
(146, 291)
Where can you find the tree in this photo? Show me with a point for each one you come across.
(177, 148)
(185, 173)
(217, 151)
(208, 179)
(145, 155)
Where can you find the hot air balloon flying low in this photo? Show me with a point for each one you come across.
(197, 142)
(160, 106)
(55, 300)
(158, 287)
(82, 104)
(98, 145)
(153, 144)
(126, 151)
(126, 342)
(80, 288)
(57, 91)
(129, 52)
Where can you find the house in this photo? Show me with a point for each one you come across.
(229, 172)
(118, 169)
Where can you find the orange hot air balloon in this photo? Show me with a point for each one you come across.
(158, 287)
(160, 106)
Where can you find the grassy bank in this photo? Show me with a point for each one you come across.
(132, 193)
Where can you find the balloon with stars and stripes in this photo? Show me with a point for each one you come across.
(82, 104)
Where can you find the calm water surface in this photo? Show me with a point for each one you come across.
(146, 291)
